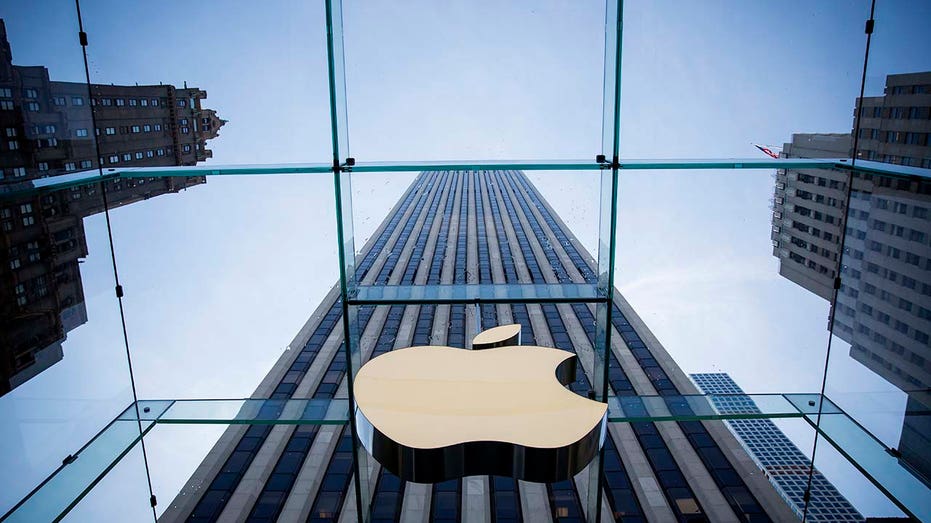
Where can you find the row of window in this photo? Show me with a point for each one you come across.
(131, 102)
(908, 161)
(911, 89)
(897, 113)
(903, 137)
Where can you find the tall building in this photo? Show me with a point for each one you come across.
(780, 460)
(883, 307)
(47, 130)
(475, 227)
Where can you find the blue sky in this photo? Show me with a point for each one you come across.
(221, 277)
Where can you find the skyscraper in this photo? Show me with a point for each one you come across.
(779, 459)
(48, 129)
(475, 227)
(883, 307)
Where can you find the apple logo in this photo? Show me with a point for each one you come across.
(429, 414)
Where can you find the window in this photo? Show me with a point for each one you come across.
(182, 103)
(158, 127)
(32, 107)
(127, 157)
(12, 145)
(120, 102)
(28, 220)
(136, 129)
(10, 132)
(154, 102)
(14, 264)
(43, 166)
(86, 164)
(49, 129)
(898, 112)
(48, 142)
(147, 128)
(6, 105)
(106, 102)
(916, 138)
(71, 166)
(186, 148)
(110, 130)
(77, 100)
(150, 154)
(25, 208)
(114, 159)
(30, 93)
(139, 155)
(19, 172)
(185, 130)
(160, 152)
(6, 92)
(133, 102)
(80, 133)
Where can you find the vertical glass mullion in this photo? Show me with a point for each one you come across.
(610, 146)
(342, 187)
(611, 105)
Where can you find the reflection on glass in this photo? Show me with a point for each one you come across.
(48, 130)
(883, 308)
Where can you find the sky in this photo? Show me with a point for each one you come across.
(221, 277)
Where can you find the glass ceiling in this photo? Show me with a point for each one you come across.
(181, 303)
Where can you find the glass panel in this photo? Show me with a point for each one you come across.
(223, 412)
(64, 371)
(73, 479)
(692, 90)
(494, 293)
(124, 483)
(483, 65)
(879, 464)
(711, 406)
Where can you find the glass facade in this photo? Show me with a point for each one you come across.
(159, 248)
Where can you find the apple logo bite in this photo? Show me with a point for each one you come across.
(429, 414)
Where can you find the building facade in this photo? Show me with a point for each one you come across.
(47, 129)
(780, 460)
(883, 307)
(475, 227)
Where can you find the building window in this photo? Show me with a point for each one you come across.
(185, 130)
(154, 102)
(49, 129)
(71, 166)
(898, 113)
(110, 130)
(150, 154)
(120, 102)
(30, 93)
(182, 103)
(6, 92)
(106, 102)
(59, 100)
(147, 128)
(114, 159)
(28, 220)
(6, 105)
(186, 148)
(158, 127)
(10, 132)
(32, 107)
(80, 133)
(127, 157)
(139, 155)
(136, 129)
(133, 102)
(183, 121)
(916, 138)
(144, 102)
(77, 100)
(86, 164)
(12, 145)
(19, 172)
(160, 152)
(43, 166)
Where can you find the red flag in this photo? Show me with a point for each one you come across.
(767, 151)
